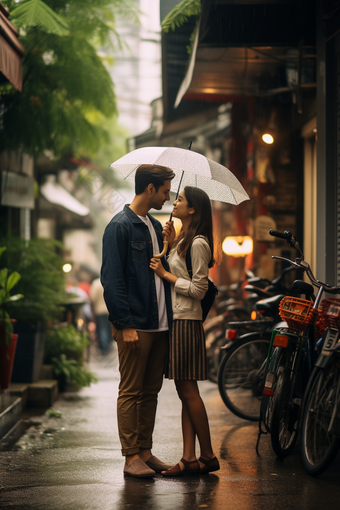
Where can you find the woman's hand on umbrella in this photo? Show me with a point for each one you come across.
(157, 266)
(169, 232)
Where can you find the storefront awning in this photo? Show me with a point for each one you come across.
(228, 73)
(11, 51)
(58, 195)
(238, 53)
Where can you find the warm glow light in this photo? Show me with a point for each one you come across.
(238, 246)
(209, 91)
(67, 268)
(267, 138)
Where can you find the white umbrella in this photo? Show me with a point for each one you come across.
(190, 168)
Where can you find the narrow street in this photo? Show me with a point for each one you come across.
(74, 462)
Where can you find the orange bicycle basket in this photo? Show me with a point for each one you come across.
(298, 313)
(320, 326)
(329, 311)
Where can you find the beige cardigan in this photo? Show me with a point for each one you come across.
(186, 294)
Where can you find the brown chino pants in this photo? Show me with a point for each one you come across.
(141, 378)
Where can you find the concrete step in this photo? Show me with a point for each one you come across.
(13, 400)
(42, 393)
(10, 412)
(20, 390)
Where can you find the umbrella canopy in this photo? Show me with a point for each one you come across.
(190, 168)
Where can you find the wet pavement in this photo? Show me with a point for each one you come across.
(74, 462)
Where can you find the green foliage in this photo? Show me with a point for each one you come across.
(65, 80)
(35, 13)
(52, 413)
(65, 339)
(72, 371)
(180, 14)
(64, 349)
(42, 279)
(7, 282)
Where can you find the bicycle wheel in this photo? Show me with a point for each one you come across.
(319, 447)
(214, 342)
(284, 423)
(267, 402)
(239, 382)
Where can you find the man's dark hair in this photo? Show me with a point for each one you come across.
(151, 174)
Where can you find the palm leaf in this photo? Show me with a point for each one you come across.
(12, 280)
(35, 13)
(180, 14)
(16, 297)
(3, 276)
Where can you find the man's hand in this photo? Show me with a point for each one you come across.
(157, 266)
(130, 337)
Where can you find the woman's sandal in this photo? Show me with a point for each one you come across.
(188, 470)
(209, 465)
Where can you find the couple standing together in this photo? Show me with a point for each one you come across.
(156, 315)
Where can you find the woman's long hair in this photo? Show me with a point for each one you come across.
(201, 222)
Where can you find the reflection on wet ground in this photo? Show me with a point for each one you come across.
(74, 462)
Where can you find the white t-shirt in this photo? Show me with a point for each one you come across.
(162, 315)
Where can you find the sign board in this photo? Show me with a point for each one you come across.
(17, 190)
(262, 226)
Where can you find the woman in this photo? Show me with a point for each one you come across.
(187, 356)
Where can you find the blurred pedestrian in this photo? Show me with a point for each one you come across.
(101, 316)
(139, 304)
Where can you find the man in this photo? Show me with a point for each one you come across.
(139, 305)
(103, 328)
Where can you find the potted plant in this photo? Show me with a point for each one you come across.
(42, 283)
(71, 372)
(8, 340)
(64, 350)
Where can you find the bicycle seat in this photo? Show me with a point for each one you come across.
(274, 289)
(238, 307)
(303, 287)
(224, 305)
(256, 290)
(252, 298)
(234, 287)
(258, 282)
(270, 304)
(231, 301)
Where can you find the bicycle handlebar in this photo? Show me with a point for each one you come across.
(291, 240)
(302, 264)
(281, 235)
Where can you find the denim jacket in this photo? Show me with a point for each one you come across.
(128, 282)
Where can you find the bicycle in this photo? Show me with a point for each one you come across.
(239, 374)
(231, 309)
(320, 422)
(242, 368)
(290, 359)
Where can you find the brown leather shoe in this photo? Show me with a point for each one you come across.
(190, 468)
(138, 469)
(209, 465)
(157, 465)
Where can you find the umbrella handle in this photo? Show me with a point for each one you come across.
(165, 249)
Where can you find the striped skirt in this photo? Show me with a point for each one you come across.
(187, 354)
